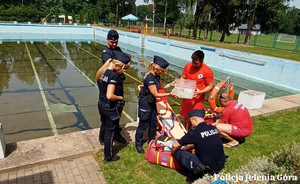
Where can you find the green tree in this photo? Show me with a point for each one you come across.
(189, 19)
(66, 17)
(111, 18)
(70, 5)
(88, 17)
(73, 17)
(273, 15)
(144, 11)
(95, 16)
(166, 10)
(81, 17)
(48, 15)
(56, 15)
(297, 25)
(229, 18)
(186, 19)
(199, 6)
(287, 22)
(20, 13)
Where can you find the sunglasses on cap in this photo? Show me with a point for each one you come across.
(222, 97)
(126, 67)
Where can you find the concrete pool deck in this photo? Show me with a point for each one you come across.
(68, 158)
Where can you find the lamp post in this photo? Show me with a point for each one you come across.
(153, 9)
(165, 19)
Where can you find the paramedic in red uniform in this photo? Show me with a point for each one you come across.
(196, 70)
(235, 123)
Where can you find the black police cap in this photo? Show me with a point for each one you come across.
(160, 61)
(121, 56)
(113, 35)
(197, 112)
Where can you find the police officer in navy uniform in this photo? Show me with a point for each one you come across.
(107, 54)
(112, 45)
(205, 139)
(109, 99)
(147, 103)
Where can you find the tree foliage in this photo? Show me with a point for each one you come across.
(73, 17)
(56, 15)
(35, 10)
(144, 11)
(173, 11)
(66, 17)
(20, 13)
(48, 15)
(220, 15)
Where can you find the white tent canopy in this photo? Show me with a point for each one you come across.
(130, 17)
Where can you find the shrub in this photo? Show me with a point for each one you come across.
(276, 169)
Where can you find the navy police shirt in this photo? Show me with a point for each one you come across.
(109, 77)
(208, 145)
(151, 80)
(107, 53)
(119, 87)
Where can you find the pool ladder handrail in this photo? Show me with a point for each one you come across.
(240, 57)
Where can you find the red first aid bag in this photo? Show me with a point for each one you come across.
(156, 154)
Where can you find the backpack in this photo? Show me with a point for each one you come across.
(159, 152)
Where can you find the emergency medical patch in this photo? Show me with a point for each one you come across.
(200, 76)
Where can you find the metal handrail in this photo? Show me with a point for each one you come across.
(240, 57)
(227, 82)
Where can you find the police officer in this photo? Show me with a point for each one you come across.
(209, 155)
(112, 45)
(147, 104)
(107, 54)
(108, 103)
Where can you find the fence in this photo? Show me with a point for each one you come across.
(275, 41)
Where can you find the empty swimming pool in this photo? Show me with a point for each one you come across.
(47, 81)
(48, 88)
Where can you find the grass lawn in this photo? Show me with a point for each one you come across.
(264, 43)
(270, 134)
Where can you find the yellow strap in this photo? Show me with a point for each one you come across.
(171, 162)
(157, 158)
(166, 139)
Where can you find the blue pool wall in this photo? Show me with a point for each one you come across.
(278, 72)
(41, 32)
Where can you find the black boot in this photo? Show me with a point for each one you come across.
(120, 139)
(101, 142)
(140, 149)
(191, 178)
(112, 159)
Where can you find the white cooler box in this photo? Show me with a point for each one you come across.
(252, 99)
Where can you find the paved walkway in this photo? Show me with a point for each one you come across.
(61, 159)
(70, 171)
(68, 158)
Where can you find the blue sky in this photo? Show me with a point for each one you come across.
(295, 3)
(140, 2)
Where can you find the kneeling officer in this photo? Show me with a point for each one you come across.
(209, 155)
